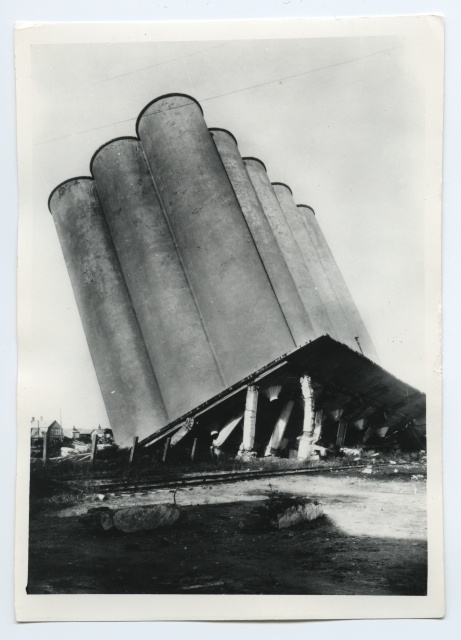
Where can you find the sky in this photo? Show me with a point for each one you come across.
(340, 120)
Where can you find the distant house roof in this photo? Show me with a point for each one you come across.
(38, 427)
(43, 423)
(84, 432)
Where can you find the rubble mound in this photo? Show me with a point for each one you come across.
(130, 519)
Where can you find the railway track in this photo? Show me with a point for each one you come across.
(106, 485)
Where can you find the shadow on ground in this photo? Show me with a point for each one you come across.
(209, 552)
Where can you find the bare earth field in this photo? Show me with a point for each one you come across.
(371, 541)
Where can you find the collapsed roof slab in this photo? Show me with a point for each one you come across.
(331, 364)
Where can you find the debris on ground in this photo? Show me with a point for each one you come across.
(351, 452)
(367, 470)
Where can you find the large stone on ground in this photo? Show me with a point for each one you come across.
(98, 519)
(133, 519)
(297, 514)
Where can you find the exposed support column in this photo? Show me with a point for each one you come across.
(182, 431)
(307, 438)
(341, 435)
(227, 429)
(249, 419)
(279, 429)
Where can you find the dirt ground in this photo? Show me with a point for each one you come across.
(371, 541)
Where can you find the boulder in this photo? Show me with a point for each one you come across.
(131, 519)
(98, 519)
(297, 514)
(281, 512)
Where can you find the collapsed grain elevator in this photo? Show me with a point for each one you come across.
(206, 292)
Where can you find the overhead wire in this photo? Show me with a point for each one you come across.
(227, 93)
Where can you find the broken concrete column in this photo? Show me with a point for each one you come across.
(279, 429)
(307, 438)
(182, 431)
(227, 430)
(249, 419)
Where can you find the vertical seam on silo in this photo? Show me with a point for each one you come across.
(131, 301)
(178, 253)
(308, 311)
(253, 240)
(325, 305)
(360, 326)
(282, 255)
(330, 280)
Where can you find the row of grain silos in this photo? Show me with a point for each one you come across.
(190, 269)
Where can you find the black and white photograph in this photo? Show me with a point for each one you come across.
(229, 319)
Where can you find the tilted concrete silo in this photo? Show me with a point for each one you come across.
(364, 341)
(181, 356)
(126, 379)
(342, 328)
(271, 255)
(190, 270)
(303, 279)
(241, 313)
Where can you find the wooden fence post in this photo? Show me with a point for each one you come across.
(94, 445)
(46, 444)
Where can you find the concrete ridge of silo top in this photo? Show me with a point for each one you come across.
(306, 206)
(282, 184)
(106, 144)
(163, 97)
(255, 160)
(61, 184)
(211, 129)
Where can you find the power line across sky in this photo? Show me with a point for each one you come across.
(227, 93)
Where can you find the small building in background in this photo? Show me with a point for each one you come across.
(39, 427)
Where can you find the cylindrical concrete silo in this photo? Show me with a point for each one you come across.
(365, 344)
(126, 379)
(183, 362)
(342, 329)
(240, 310)
(289, 248)
(273, 260)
